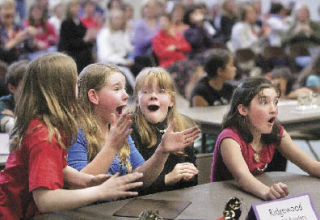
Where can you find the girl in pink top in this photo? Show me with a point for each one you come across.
(250, 135)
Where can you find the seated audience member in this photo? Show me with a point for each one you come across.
(114, 46)
(46, 37)
(213, 89)
(246, 34)
(228, 19)
(89, 19)
(168, 45)
(75, 39)
(14, 78)
(303, 31)
(113, 41)
(278, 23)
(155, 110)
(177, 18)
(197, 35)
(57, 11)
(14, 39)
(145, 28)
(282, 77)
(103, 143)
(310, 75)
(250, 135)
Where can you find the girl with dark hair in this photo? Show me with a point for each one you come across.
(249, 138)
(213, 88)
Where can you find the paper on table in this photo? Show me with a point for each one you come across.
(4, 144)
(166, 208)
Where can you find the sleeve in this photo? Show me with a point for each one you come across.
(78, 153)
(136, 158)
(141, 39)
(46, 162)
(200, 90)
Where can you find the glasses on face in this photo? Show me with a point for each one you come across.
(151, 91)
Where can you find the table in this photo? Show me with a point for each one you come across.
(210, 118)
(208, 200)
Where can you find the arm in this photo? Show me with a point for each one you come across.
(171, 142)
(62, 199)
(293, 152)
(199, 101)
(115, 139)
(230, 150)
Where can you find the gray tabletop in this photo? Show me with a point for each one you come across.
(4, 148)
(208, 200)
(290, 115)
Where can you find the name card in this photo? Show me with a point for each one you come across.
(299, 207)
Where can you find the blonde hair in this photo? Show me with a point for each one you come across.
(70, 4)
(146, 77)
(95, 76)
(112, 14)
(5, 4)
(48, 93)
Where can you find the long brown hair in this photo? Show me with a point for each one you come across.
(48, 93)
(95, 76)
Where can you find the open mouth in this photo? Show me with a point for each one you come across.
(120, 109)
(153, 107)
(271, 120)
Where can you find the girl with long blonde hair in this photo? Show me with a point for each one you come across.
(103, 98)
(155, 110)
(36, 171)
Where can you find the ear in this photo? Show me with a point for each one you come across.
(11, 88)
(219, 71)
(243, 110)
(93, 96)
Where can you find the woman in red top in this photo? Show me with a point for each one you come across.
(46, 36)
(250, 135)
(169, 45)
(36, 171)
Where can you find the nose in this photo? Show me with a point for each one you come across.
(125, 95)
(273, 107)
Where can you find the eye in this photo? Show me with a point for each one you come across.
(162, 91)
(144, 91)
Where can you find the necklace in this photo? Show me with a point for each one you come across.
(256, 157)
(161, 131)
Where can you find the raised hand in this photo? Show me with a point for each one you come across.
(119, 186)
(119, 131)
(185, 171)
(175, 141)
(277, 191)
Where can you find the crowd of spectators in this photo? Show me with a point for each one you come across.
(177, 35)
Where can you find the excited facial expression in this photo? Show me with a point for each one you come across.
(262, 112)
(154, 102)
(112, 98)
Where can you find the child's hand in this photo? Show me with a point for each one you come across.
(175, 141)
(181, 171)
(118, 186)
(119, 131)
(98, 179)
(277, 191)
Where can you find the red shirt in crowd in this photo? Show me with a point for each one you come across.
(160, 43)
(37, 163)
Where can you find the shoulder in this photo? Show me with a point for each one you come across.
(229, 133)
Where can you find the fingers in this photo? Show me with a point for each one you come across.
(278, 190)
(171, 126)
